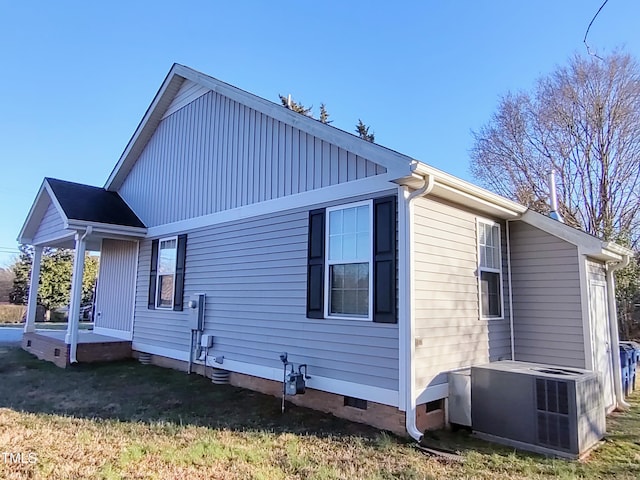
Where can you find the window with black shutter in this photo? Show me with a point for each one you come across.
(352, 261)
(166, 276)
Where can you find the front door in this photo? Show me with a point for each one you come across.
(602, 348)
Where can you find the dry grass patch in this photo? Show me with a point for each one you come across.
(125, 420)
(12, 313)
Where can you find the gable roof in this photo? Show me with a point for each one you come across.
(395, 163)
(400, 168)
(80, 206)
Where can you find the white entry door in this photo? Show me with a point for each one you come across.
(602, 348)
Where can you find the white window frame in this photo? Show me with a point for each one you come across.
(328, 263)
(491, 223)
(158, 275)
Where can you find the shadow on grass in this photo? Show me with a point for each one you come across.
(129, 391)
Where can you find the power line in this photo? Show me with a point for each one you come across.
(584, 40)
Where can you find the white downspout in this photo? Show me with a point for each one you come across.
(408, 333)
(513, 345)
(613, 331)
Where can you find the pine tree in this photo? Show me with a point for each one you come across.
(324, 115)
(295, 106)
(363, 132)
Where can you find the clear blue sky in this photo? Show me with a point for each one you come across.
(77, 76)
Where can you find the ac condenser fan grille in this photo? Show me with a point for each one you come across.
(552, 399)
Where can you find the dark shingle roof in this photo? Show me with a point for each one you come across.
(93, 204)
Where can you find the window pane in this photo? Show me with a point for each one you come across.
(349, 234)
(363, 218)
(167, 256)
(490, 294)
(349, 289)
(335, 247)
(337, 276)
(335, 222)
(165, 291)
(349, 220)
(363, 245)
(348, 246)
(482, 234)
(336, 303)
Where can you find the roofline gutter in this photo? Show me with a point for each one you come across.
(613, 327)
(449, 182)
(407, 333)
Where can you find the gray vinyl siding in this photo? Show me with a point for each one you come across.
(116, 285)
(215, 154)
(547, 306)
(449, 331)
(188, 92)
(50, 226)
(254, 275)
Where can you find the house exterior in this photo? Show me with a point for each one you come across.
(377, 271)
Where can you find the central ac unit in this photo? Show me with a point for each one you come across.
(543, 408)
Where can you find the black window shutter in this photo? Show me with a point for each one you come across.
(181, 256)
(384, 260)
(153, 275)
(315, 264)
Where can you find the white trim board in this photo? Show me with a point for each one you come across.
(111, 332)
(331, 385)
(435, 392)
(365, 186)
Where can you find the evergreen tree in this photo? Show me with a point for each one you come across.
(363, 132)
(295, 106)
(56, 271)
(324, 115)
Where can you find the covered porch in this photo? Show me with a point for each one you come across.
(84, 218)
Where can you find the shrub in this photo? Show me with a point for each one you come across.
(12, 313)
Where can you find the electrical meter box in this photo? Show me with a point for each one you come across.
(196, 311)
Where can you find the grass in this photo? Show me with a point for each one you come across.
(126, 420)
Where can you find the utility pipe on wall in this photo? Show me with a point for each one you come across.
(613, 331)
(408, 335)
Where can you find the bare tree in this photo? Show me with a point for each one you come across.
(583, 120)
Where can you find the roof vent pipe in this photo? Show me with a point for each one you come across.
(553, 197)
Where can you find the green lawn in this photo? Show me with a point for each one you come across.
(126, 420)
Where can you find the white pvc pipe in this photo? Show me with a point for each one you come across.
(513, 345)
(409, 333)
(613, 331)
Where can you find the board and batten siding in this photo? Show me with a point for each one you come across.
(116, 285)
(547, 306)
(215, 154)
(253, 273)
(449, 331)
(51, 225)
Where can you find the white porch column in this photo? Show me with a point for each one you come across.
(32, 305)
(76, 294)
